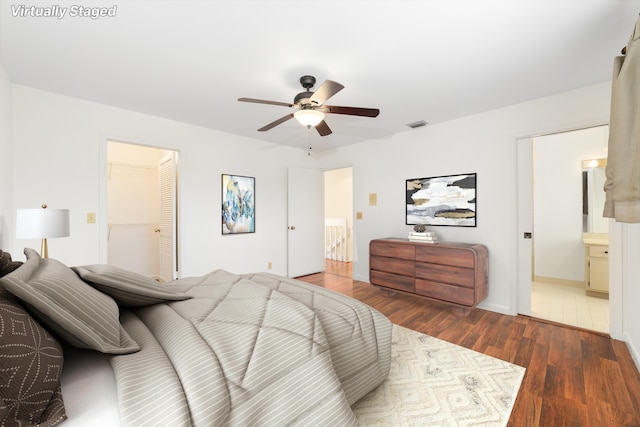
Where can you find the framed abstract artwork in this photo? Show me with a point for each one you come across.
(238, 204)
(442, 200)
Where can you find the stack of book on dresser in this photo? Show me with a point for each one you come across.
(424, 237)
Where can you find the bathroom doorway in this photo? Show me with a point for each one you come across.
(560, 261)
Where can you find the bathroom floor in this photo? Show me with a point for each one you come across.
(569, 305)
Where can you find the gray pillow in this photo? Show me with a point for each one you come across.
(6, 264)
(30, 368)
(126, 287)
(81, 315)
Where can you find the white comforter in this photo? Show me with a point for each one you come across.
(255, 349)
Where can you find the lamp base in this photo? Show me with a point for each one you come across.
(44, 249)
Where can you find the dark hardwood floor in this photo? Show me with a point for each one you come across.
(573, 378)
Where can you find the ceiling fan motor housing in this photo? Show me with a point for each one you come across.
(302, 96)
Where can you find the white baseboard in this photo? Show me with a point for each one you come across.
(361, 278)
(633, 349)
(557, 281)
(497, 308)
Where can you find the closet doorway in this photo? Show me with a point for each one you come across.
(142, 210)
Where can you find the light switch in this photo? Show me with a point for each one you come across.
(91, 218)
(373, 199)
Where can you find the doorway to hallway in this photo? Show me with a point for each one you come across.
(338, 268)
(338, 205)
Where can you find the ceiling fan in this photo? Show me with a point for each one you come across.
(310, 107)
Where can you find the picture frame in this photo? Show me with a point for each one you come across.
(448, 200)
(238, 204)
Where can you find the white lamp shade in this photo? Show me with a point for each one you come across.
(42, 223)
(309, 117)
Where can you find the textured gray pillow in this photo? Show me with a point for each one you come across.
(30, 369)
(126, 287)
(81, 315)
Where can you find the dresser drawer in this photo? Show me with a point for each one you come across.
(599, 251)
(445, 274)
(445, 256)
(393, 265)
(394, 281)
(445, 292)
(391, 249)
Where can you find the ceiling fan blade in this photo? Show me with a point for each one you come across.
(264, 101)
(327, 89)
(352, 111)
(276, 123)
(323, 128)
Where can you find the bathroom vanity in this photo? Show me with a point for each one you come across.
(596, 275)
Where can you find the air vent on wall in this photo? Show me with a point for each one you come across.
(417, 124)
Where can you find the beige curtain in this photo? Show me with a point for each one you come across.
(622, 187)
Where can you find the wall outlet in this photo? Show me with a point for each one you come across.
(91, 218)
(358, 215)
(269, 265)
(373, 199)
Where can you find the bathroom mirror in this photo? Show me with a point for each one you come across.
(593, 178)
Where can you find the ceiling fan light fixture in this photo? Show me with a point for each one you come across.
(309, 117)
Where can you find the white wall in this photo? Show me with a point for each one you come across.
(557, 195)
(630, 288)
(484, 143)
(6, 164)
(62, 161)
(58, 161)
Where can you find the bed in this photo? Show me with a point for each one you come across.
(104, 346)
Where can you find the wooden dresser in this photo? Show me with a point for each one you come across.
(453, 273)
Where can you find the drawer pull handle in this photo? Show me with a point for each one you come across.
(606, 252)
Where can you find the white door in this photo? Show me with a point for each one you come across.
(525, 224)
(305, 218)
(167, 221)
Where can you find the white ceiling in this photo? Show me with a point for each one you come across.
(432, 60)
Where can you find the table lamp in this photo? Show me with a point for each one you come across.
(42, 224)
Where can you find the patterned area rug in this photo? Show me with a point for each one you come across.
(436, 383)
